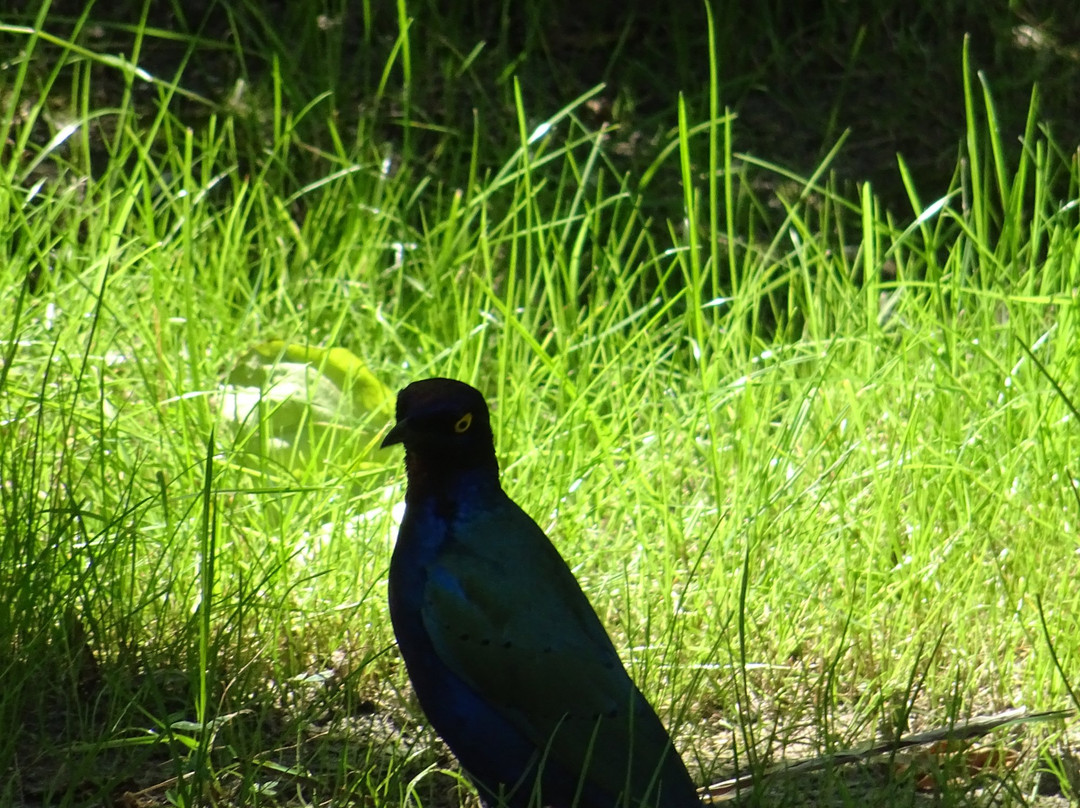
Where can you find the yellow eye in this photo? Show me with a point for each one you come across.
(463, 424)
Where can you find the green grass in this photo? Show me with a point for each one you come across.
(812, 460)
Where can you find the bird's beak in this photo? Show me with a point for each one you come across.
(397, 434)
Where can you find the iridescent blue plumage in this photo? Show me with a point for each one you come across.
(507, 657)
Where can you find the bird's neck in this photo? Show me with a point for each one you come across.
(454, 478)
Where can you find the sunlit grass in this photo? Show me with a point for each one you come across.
(814, 478)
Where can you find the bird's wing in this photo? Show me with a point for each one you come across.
(505, 613)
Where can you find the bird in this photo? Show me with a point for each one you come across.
(508, 659)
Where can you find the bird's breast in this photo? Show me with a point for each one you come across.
(428, 527)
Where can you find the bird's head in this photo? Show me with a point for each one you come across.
(444, 426)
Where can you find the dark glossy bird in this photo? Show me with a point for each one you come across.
(507, 657)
